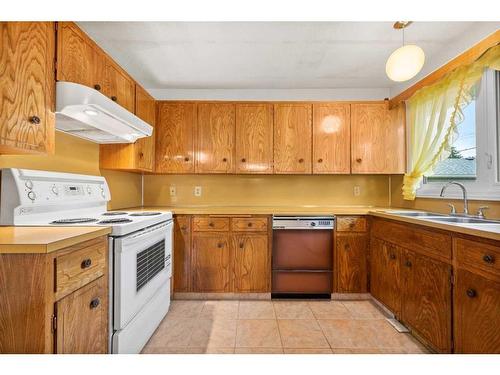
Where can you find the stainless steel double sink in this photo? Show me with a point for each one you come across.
(443, 218)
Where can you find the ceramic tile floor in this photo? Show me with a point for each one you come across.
(316, 327)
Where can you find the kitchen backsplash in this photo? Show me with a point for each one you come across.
(74, 155)
(267, 190)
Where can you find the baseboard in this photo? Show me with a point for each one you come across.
(351, 296)
(222, 296)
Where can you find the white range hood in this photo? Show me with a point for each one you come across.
(86, 113)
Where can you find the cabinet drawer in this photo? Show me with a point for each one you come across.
(435, 244)
(80, 267)
(205, 223)
(478, 255)
(351, 224)
(255, 224)
(302, 282)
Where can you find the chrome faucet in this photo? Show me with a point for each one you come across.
(464, 192)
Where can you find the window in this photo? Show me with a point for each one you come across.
(475, 157)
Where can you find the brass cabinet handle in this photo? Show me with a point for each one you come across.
(35, 120)
(471, 293)
(86, 263)
(94, 303)
(489, 259)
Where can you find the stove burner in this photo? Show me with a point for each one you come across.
(121, 220)
(145, 213)
(79, 220)
(114, 213)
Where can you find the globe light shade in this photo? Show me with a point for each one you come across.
(405, 63)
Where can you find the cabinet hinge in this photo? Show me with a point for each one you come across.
(54, 323)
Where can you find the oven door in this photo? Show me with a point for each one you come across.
(142, 265)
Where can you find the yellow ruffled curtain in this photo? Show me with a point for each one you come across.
(434, 113)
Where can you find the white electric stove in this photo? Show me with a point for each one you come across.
(140, 244)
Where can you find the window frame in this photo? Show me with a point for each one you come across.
(486, 186)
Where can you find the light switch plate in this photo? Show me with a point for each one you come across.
(357, 191)
(173, 191)
(197, 191)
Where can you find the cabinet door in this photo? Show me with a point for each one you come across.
(331, 138)
(27, 87)
(385, 275)
(212, 262)
(254, 138)
(426, 305)
(215, 138)
(252, 269)
(292, 138)
(377, 139)
(351, 263)
(476, 314)
(82, 320)
(144, 147)
(175, 137)
(182, 253)
(119, 87)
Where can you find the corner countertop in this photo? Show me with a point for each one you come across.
(491, 231)
(43, 240)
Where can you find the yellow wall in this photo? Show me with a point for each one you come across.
(75, 155)
(268, 190)
(438, 205)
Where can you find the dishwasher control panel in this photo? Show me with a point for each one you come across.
(303, 222)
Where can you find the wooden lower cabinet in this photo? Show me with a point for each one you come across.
(385, 275)
(351, 262)
(35, 319)
(82, 320)
(251, 263)
(476, 313)
(426, 299)
(182, 253)
(212, 262)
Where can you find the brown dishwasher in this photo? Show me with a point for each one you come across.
(302, 260)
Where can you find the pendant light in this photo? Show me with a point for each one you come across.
(405, 62)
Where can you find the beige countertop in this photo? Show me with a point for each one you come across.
(45, 239)
(491, 231)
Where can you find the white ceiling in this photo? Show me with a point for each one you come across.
(274, 55)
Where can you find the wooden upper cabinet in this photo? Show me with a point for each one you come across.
(377, 139)
(292, 138)
(78, 60)
(254, 138)
(145, 147)
(215, 138)
(27, 87)
(119, 87)
(331, 138)
(175, 131)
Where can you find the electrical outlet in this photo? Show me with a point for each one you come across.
(173, 191)
(357, 191)
(197, 191)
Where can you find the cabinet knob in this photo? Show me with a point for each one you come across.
(408, 263)
(86, 263)
(94, 303)
(186, 158)
(489, 259)
(301, 160)
(347, 247)
(183, 227)
(242, 245)
(359, 160)
(141, 154)
(392, 256)
(114, 98)
(320, 160)
(220, 245)
(224, 160)
(249, 224)
(243, 160)
(97, 87)
(471, 293)
(35, 120)
(211, 224)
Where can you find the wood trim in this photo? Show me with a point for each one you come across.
(464, 58)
